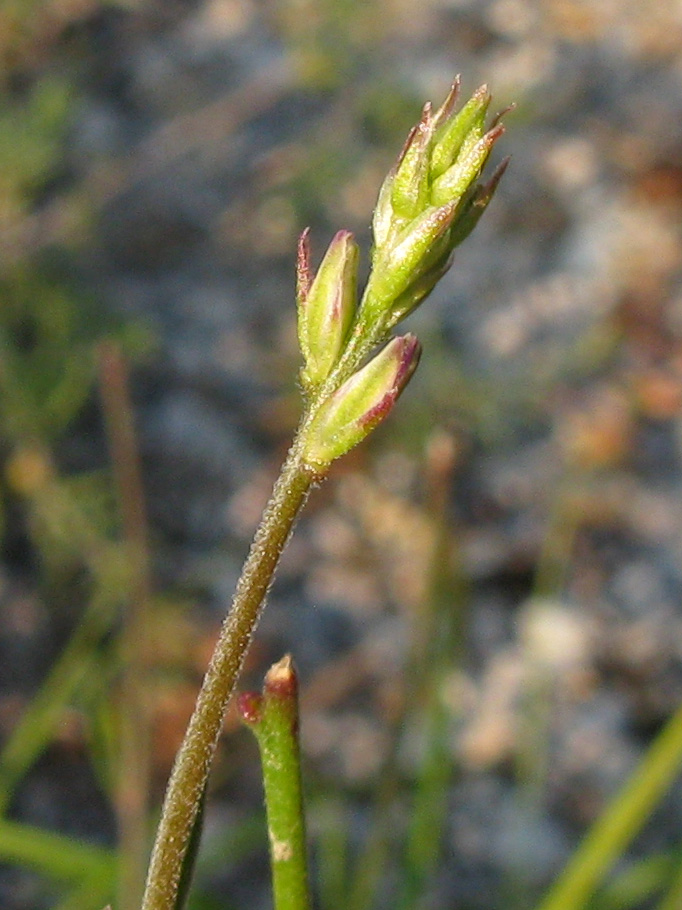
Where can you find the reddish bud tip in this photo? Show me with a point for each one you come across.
(500, 114)
(444, 112)
(249, 706)
(281, 680)
(408, 351)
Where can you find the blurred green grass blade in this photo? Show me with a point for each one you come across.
(372, 863)
(92, 894)
(621, 821)
(55, 855)
(222, 850)
(672, 898)
(638, 883)
(429, 810)
(442, 626)
(332, 851)
(37, 724)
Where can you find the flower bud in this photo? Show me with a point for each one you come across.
(427, 205)
(414, 251)
(445, 111)
(326, 305)
(476, 205)
(453, 131)
(410, 188)
(461, 175)
(361, 403)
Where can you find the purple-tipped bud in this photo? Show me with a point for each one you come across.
(250, 707)
(326, 305)
(361, 403)
(447, 108)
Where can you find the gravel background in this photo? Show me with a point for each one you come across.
(204, 137)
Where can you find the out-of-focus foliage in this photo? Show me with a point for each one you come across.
(47, 356)
(57, 515)
(32, 127)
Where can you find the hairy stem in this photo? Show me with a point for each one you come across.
(193, 761)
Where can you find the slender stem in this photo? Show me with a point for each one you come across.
(193, 761)
(273, 719)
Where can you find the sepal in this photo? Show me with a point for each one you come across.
(410, 188)
(326, 305)
(468, 165)
(361, 403)
(453, 131)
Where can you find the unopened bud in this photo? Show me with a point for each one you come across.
(361, 403)
(414, 251)
(453, 131)
(410, 188)
(326, 305)
(476, 205)
(459, 177)
(445, 111)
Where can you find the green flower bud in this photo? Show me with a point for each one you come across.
(453, 131)
(361, 403)
(445, 111)
(427, 205)
(326, 305)
(476, 205)
(410, 188)
(458, 178)
(421, 244)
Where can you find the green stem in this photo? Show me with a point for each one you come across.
(273, 718)
(622, 820)
(193, 761)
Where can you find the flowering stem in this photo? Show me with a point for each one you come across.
(428, 204)
(193, 761)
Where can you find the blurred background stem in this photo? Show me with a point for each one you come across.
(132, 786)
